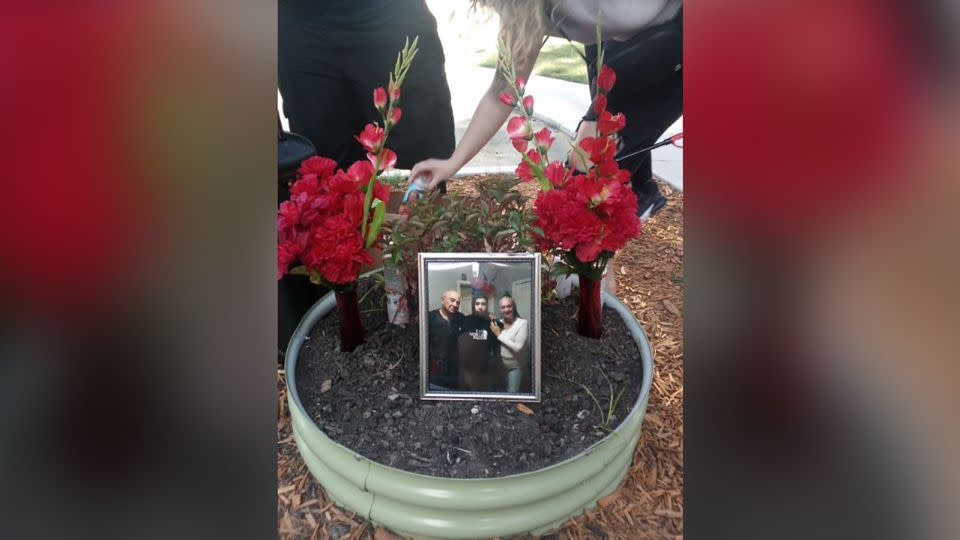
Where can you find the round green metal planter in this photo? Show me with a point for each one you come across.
(422, 506)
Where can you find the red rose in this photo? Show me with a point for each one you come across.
(507, 98)
(519, 128)
(544, 139)
(528, 104)
(379, 98)
(606, 79)
(320, 166)
(371, 137)
(556, 173)
(599, 103)
(609, 124)
(395, 116)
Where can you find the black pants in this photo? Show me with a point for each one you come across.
(328, 68)
(648, 91)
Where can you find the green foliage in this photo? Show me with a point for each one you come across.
(494, 221)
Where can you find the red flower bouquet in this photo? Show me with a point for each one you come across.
(333, 217)
(582, 217)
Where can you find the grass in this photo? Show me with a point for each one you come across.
(557, 59)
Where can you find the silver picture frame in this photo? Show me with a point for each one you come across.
(457, 272)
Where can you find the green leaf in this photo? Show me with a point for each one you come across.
(379, 211)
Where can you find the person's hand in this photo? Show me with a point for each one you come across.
(495, 329)
(577, 161)
(435, 170)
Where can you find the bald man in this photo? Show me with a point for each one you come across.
(444, 324)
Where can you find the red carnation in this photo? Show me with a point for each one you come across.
(371, 137)
(287, 252)
(320, 166)
(606, 79)
(519, 128)
(379, 98)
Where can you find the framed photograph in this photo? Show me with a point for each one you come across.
(480, 326)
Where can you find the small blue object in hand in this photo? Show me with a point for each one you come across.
(419, 184)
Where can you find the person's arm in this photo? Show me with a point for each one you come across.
(519, 340)
(487, 119)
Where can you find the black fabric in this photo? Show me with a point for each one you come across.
(442, 357)
(330, 60)
(648, 91)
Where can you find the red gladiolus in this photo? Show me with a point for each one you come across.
(507, 98)
(394, 92)
(359, 173)
(395, 115)
(609, 124)
(379, 98)
(519, 144)
(388, 158)
(519, 128)
(371, 137)
(528, 104)
(599, 104)
(523, 170)
(521, 84)
(606, 79)
(557, 174)
(599, 149)
(320, 166)
(544, 139)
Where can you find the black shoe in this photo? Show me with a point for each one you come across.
(649, 199)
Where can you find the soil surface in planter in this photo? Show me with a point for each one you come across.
(368, 399)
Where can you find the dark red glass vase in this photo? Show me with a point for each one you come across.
(589, 323)
(351, 328)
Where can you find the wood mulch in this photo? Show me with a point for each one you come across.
(649, 279)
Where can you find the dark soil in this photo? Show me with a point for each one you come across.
(371, 403)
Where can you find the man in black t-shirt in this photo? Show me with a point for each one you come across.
(444, 324)
(479, 350)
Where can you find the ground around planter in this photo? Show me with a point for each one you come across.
(368, 399)
(650, 502)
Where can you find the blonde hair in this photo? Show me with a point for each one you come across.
(523, 23)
